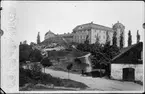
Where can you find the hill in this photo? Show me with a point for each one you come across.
(58, 41)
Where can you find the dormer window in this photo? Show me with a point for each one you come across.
(80, 27)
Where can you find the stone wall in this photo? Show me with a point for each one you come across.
(49, 35)
(117, 71)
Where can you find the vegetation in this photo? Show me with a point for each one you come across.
(38, 38)
(46, 63)
(69, 67)
(114, 39)
(26, 53)
(138, 37)
(87, 40)
(35, 76)
(121, 40)
(35, 56)
(100, 53)
(129, 38)
(107, 37)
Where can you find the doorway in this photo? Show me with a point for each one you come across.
(128, 74)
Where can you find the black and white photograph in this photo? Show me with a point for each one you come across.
(72, 46)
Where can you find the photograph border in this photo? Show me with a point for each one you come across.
(14, 56)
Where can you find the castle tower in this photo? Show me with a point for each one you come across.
(119, 28)
(48, 35)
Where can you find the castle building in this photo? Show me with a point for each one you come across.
(49, 34)
(95, 31)
(119, 28)
(68, 37)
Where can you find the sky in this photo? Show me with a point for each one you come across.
(62, 16)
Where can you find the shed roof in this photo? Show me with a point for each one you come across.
(126, 49)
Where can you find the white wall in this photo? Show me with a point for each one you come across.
(111, 37)
(80, 36)
(117, 71)
(102, 36)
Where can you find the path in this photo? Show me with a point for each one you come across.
(101, 84)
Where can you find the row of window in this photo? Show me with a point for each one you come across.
(79, 41)
(80, 37)
(83, 31)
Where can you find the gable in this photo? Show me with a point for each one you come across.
(131, 55)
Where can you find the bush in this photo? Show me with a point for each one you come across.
(48, 79)
(30, 76)
(74, 84)
(24, 76)
(36, 67)
(34, 77)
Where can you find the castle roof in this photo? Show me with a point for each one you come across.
(49, 32)
(91, 26)
(118, 25)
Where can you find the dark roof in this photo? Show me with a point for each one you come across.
(49, 32)
(90, 26)
(126, 49)
(57, 39)
(118, 25)
(77, 53)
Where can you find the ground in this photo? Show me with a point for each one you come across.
(99, 84)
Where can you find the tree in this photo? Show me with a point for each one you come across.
(25, 42)
(24, 52)
(114, 38)
(107, 37)
(32, 43)
(36, 71)
(35, 55)
(69, 67)
(121, 40)
(38, 38)
(97, 39)
(129, 38)
(80, 47)
(46, 63)
(21, 43)
(138, 37)
(87, 40)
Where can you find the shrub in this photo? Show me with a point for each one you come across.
(24, 76)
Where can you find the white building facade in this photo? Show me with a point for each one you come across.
(94, 31)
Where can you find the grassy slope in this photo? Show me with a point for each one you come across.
(57, 40)
(27, 76)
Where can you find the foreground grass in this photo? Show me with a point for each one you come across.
(30, 80)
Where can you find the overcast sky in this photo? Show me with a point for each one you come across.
(61, 17)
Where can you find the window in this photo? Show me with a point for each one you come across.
(104, 36)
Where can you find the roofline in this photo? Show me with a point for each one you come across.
(124, 52)
(91, 27)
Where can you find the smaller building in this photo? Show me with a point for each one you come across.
(128, 65)
(81, 61)
(49, 34)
